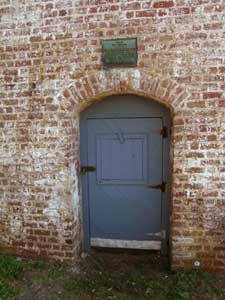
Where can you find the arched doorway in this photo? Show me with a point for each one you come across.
(125, 143)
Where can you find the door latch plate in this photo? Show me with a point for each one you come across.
(86, 169)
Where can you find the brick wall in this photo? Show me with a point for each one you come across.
(50, 70)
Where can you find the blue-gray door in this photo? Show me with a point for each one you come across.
(123, 194)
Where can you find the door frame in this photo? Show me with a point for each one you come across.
(158, 110)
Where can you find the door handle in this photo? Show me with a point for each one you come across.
(161, 187)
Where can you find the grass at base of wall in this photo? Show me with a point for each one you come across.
(101, 277)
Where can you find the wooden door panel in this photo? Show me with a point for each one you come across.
(127, 154)
(121, 161)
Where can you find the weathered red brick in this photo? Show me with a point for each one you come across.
(210, 95)
(163, 4)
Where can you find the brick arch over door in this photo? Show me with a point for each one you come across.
(85, 90)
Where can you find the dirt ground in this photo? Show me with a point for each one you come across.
(123, 275)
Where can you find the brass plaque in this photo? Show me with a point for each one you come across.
(119, 53)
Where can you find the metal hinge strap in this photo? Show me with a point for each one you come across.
(161, 234)
(161, 187)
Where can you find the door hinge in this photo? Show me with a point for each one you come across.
(85, 169)
(161, 234)
(161, 187)
(164, 132)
